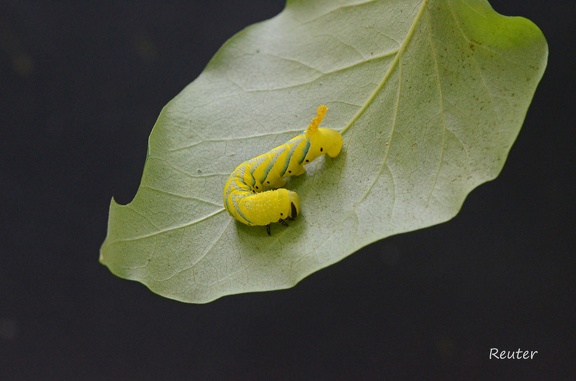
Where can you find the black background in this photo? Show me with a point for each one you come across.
(81, 85)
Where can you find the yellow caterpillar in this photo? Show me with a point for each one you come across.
(248, 194)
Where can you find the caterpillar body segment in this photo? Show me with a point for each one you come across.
(250, 193)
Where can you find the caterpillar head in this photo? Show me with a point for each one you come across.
(282, 205)
(294, 202)
(322, 140)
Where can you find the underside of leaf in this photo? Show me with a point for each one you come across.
(429, 96)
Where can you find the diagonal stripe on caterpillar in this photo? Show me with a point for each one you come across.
(251, 195)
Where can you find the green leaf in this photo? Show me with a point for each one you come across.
(429, 96)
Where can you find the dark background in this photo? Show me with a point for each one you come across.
(81, 84)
